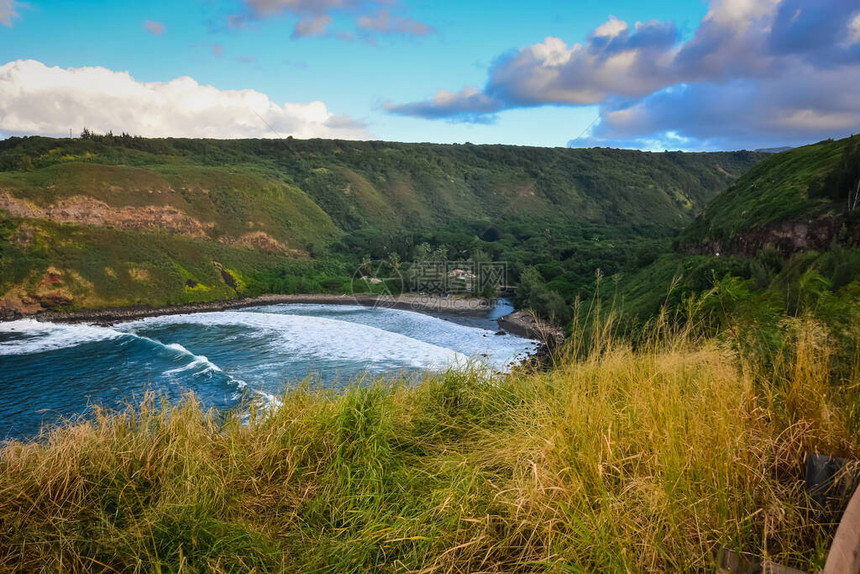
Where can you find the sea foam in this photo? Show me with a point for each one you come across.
(28, 336)
(300, 337)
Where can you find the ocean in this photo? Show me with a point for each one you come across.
(55, 372)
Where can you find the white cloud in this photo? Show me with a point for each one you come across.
(553, 52)
(756, 73)
(7, 12)
(854, 30)
(467, 105)
(744, 112)
(37, 99)
(312, 26)
(265, 8)
(615, 61)
(739, 13)
(611, 28)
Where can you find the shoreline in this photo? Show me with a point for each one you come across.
(519, 323)
(108, 316)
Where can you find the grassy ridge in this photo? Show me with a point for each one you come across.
(367, 183)
(103, 267)
(620, 459)
(647, 452)
(235, 203)
(805, 182)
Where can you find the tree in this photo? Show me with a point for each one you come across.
(440, 253)
(394, 260)
(533, 294)
(423, 252)
(26, 163)
(479, 256)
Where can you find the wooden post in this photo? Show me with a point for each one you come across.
(844, 556)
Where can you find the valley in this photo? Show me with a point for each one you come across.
(109, 221)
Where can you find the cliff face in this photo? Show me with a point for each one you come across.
(88, 211)
(793, 201)
(785, 237)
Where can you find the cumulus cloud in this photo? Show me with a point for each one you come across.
(315, 17)
(154, 28)
(852, 34)
(615, 60)
(739, 113)
(7, 12)
(780, 71)
(37, 99)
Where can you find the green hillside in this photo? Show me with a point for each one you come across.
(783, 237)
(808, 183)
(114, 220)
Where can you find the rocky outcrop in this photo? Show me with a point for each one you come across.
(226, 276)
(259, 240)
(551, 337)
(49, 294)
(785, 237)
(88, 211)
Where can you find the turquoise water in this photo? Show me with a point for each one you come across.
(50, 372)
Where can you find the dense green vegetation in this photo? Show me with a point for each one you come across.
(300, 216)
(811, 184)
(404, 185)
(802, 183)
(106, 268)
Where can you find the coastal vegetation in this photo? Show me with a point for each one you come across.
(812, 183)
(782, 233)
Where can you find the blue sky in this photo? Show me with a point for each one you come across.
(690, 75)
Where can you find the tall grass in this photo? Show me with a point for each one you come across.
(619, 459)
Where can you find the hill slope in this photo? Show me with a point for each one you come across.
(104, 220)
(795, 200)
(783, 236)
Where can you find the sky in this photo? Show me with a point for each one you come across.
(663, 74)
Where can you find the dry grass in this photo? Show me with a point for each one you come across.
(618, 460)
